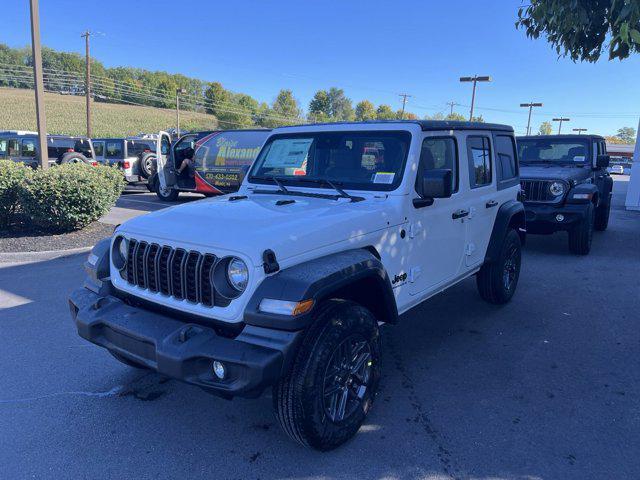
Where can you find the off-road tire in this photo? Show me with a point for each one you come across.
(126, 361)
(148, 164)
(299, 397)
(72, 157)
(581, 235)
(602, 217)
(166, 195)
(497, 281)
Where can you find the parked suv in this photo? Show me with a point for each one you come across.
(566, 186)
(23, 146)
(135, 156)
(283, 284)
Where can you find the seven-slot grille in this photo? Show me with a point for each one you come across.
(537, 191)
(181, 274)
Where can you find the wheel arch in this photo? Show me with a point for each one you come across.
(355, 275)
(511, 215)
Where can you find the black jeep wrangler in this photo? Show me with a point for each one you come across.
(566, 186)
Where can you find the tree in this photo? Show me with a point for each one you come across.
(365, 110)
(217, 98)
(385, 112)
(341, 108)
(320, 107)
(406, 115)
(285, 110)
(627, 134)
(545, 128)
(455, 116)
(579, 28)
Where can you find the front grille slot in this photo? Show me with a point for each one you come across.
(537, 191)
(178, 273)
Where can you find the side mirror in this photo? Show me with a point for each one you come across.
(602, 161)
(434, 184)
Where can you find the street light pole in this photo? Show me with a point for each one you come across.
(475, 79)
(87, 80)
(579, 130)
(178, 92)
(530, 106)
(39, 83)
(561, 119)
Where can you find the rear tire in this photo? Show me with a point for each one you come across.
(581, 236)
(602, 217)
(166, 194)
(323, 400)
(72, 157)
(497, 281)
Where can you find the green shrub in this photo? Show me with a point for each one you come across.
(69, 197)
(13, 177)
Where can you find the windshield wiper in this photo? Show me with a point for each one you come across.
(275, 180)
(324, 181)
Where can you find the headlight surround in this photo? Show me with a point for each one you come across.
(230, 277)
(120, 252)
(557, 188)
(237, 274)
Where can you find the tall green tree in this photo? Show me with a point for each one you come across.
(285, 110)
(582, 29)
(320, 107)
(627, 134)
(545, 128)
(385, 112)
(341, 107)
(365, 110)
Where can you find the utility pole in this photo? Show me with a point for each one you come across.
(39, 84)
(452, 104)
(87, 81)
(579, 130)
(404, 102)
(561, 119)
(178, 92)
(530, 106)
(475, 79)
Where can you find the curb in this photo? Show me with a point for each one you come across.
(27, 257)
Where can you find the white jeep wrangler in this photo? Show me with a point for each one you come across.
(336, 229)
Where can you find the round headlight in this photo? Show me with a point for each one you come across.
(120, 252)
(556, 189)
(237, 274)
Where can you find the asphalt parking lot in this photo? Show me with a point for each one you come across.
(547, 387)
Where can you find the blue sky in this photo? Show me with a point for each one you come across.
(372, 50)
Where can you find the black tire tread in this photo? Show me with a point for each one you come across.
(579, 241)
(488, 279)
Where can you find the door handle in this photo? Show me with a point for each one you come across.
(459, 214)
(491, 204)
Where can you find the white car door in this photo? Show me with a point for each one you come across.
(436, 232)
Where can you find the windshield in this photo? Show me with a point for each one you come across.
(551, 150)
(59, 146)
(371, 160)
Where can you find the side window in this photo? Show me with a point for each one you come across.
(28, 147)
(439, 153)
(13, 148)
(164, 146)
(114, 149)
(98, 147)
(479, 155)
(507, 160)
(3, 148)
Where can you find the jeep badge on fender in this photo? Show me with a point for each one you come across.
(336, 228)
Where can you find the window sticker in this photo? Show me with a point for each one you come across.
(384, 177)
(578, 158)
(288, 153)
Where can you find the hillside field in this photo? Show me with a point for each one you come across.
(66, 115)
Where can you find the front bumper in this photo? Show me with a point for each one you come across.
(542, 219)
(254, 360)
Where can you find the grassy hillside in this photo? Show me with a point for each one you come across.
(66, 114)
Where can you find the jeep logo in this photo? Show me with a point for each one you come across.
(399, 278)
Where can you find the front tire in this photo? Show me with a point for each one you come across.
(581, 236)
(497, 281)
(323, 400)
(166, 194)
(602, 217)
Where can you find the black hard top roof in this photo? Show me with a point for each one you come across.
(425, 125)
(565, 136)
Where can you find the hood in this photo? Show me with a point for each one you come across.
(249, 226)
(554, 172)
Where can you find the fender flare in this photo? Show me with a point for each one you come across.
(584, 188)
(511, 214)
(319, 279)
